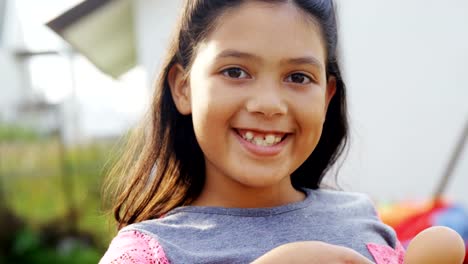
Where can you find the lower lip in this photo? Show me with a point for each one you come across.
(261, 150)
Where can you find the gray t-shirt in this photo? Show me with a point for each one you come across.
(197, 234)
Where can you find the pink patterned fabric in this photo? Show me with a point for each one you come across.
(134, 247)
(387, 255)
(137, 247)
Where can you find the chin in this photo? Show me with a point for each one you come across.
(262, 180)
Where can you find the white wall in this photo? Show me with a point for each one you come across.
(405, 66)
(12, 86)
(154, 21)
(14, 83)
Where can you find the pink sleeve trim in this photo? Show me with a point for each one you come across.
(384, 254)
(134, 247)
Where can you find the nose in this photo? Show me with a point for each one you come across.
(268, 101)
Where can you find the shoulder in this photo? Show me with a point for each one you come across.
(356, 213)
(339, 195)
(133, 246)
(344, 201)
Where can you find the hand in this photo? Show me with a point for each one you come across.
(311, 252)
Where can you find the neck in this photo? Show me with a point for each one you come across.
(236, 195)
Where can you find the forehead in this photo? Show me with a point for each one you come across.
(276, 31)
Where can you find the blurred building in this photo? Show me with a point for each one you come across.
(48, 86)
(20, 104)
(117, 35)
(13, 78)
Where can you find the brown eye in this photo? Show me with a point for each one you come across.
(235, 73)
(299, 78)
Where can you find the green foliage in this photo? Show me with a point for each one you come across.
(25, 241)
(17, 133)
(28, 248)
(42, 185)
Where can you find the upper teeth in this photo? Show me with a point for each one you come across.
(268, 140)
(248, 135)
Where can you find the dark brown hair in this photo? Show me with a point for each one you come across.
(163, 166)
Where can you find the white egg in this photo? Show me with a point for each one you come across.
(436, 245)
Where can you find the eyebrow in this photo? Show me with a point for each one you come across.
(245, 55)
(237, 54)
(305, 60)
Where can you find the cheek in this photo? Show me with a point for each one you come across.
(207, 134)
(310, 116)
(210, 96)
(310, 110)
(203, 115)
(211, 111)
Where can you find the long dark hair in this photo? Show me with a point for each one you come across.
(163, 166)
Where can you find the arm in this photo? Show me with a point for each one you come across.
(134, 247)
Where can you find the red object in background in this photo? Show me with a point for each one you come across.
(409, 219)
(413, 225)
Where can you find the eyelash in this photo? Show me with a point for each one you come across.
(309, 79)
(225, 72)
(245, 75)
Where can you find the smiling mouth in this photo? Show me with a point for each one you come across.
(263, 139)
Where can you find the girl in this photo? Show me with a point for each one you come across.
(249, 114)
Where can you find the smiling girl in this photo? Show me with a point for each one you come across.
(249, 114)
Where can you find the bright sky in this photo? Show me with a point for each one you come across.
(106, 105)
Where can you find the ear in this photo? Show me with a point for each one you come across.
(331, 90)
(180, 89)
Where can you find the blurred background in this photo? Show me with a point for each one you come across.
(75, 77)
